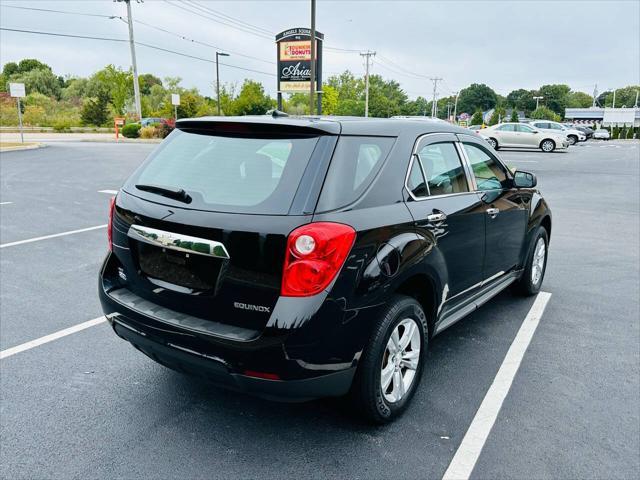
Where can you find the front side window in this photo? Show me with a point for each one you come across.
(443, 169)
(488, 172)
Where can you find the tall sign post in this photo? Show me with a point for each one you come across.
(17, 91)
(294, 63)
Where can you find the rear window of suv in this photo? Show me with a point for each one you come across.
(229, 174)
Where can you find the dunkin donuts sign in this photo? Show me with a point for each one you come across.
(294, 59)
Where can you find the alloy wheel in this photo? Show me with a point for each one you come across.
(547, 146)
(538, 260)
(400, 360)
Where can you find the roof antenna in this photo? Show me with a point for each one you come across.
(275, 113)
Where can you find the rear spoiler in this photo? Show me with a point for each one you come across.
(259, 125)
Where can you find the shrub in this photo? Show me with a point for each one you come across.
(62, 125)
(94, 111)
(131, 130)
(167, 127)
(514, 116)
(477, 118)
(544, 113)
(149, 132)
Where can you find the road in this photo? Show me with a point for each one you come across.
(89, 406)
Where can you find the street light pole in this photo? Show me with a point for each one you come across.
(455, 108)
(537, 99)
(218, 54)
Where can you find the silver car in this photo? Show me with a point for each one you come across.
(601, 134)
(573, 135)
(520, 135)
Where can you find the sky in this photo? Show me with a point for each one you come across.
(506, 44)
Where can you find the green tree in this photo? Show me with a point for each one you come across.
(514, 116)
(10, 68)
(545, 113)
(477, 119)
(329, 100)
(522, 99)
(477, 96)
(146, 81)
(251, 100)
(348, 86)
(95, 111)
(190, 103)
(28, 64)
(119, 84)
(39, 80)
(625, 96)
(579, 100)
(419, 106)
(497, 116)
(555, 97)
(76, 89)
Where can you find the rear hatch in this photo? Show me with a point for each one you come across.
(201, 228)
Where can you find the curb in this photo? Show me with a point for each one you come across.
(20, 147)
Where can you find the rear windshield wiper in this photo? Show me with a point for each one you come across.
(166, 191)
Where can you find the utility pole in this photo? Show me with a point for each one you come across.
(136, 85)
(595, 96)
(455, 108)
(367, 57)
(635, 105)
(218, 54)
(434, 105)
(312, 88)
(614, 99)
(448, 111)
(537, 99)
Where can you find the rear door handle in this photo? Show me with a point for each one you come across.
(492, 212)
(436, 217)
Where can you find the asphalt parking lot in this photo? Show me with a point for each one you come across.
(88, 405)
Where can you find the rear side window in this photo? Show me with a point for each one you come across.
(443, 169)
(230, 174)
(415, 181)
(355, 163)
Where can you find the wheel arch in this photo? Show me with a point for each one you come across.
(421, 287)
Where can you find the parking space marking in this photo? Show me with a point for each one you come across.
(110, 192)
(50, 338)
(471, 446)
(55, 235)
(6, 203)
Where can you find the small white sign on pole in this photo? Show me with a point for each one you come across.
(17, 90)
(175, 99)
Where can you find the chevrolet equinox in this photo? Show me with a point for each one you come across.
(299, 257)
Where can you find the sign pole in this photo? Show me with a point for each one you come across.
(312, 83)
(20, 120)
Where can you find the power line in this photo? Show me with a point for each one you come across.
(149, 25)
(154, 47)
(204, 14)
(232, 19)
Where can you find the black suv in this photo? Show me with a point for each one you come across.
(297, 258)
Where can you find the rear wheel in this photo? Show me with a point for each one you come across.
(531, 279)
(572, 139)
(390, 368)
(547, 146)
(493, 142)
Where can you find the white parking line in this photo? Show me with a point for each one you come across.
(46, 237)
(50, 338)
(469, 450)
(110, 192)
(6, 203)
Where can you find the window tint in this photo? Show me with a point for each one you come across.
(416, 182)
(230, 174)
(488, 172)
(507, 128)
(355, 163)
(443, 169)
(524, 128)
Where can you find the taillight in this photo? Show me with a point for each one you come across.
(112, 206)
(315, 254)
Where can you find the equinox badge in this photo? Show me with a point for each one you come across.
(255, 308)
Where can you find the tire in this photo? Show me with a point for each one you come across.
(529, 284)
(572, 139)
(547, 145)
(367, 395)
(493, 142)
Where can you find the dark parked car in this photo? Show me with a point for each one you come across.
(586, 130)
(297, 258)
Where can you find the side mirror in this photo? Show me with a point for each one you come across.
(524, 179)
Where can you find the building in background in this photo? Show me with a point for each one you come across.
(605, 117)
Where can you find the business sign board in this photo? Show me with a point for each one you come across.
(17, 90)
(294, 60)
(175, 99)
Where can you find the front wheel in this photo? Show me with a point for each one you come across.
(531, 279)
(390, 368)
(548, 146)
(493, 142)
(572, 139)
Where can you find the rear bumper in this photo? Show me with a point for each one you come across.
(221, 373)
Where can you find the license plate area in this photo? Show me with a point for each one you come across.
(193, 271)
